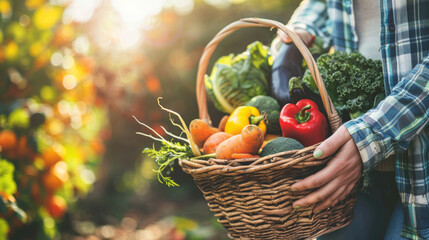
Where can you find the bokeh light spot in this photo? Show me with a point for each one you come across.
(32, 4)
(57, 59)
(69, 81)
(63, 107)
(11, 50)
(5, 9)
(68, 62)
(24, 20)
(87, 176)
(76, 122)
(81, 45)
(46, 17)
(107, 231)
(48, 93)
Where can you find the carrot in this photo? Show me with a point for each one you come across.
(243, 155)
(222, 123)
(214, 140)
(248, 141)
(200, 131)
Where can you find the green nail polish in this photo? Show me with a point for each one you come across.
(297, 206)
(318, 153)
(294, 189)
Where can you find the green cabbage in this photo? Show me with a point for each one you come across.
(235, 80)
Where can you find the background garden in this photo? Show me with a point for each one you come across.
(72, 75)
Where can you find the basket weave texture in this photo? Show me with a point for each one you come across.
(252, 198)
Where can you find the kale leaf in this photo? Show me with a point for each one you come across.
(354, 83)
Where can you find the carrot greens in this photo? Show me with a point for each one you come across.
(170, 150)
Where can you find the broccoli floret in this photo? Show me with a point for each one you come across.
(269, 106)
(280, 144)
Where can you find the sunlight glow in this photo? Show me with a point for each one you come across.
(183, 7)
(135, 11)
(134, 14)
(129, 37)
(121, 24)
(80, 10)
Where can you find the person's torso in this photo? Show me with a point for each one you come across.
(404, 43)
(403, 36)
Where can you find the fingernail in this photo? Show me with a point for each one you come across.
(318, 153)
(294, 189)
(297, 206)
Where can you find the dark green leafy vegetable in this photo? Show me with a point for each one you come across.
(352, 82)
(234, 80)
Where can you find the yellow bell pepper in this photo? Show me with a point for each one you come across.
(243, 116)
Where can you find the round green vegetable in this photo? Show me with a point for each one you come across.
(280, 144)
(271, 108)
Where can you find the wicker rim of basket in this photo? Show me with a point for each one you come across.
(333, 117)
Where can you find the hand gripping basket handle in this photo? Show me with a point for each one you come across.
(334, 118)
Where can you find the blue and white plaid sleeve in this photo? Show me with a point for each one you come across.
(396, 121)
(312, 16)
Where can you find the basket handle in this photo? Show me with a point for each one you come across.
(333, 117)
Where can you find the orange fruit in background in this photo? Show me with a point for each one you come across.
(97, 146)
(23, 150)
(56, 206)
(8, 139)
(56, 176)
(51, 156)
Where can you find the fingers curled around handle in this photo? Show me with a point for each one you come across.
(333, 143)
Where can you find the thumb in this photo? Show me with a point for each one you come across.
(333, 143)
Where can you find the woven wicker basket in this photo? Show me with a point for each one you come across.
(251, 197)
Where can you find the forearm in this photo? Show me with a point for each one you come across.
(312, 16)
(396, 121)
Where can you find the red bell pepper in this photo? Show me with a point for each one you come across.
(303, 122)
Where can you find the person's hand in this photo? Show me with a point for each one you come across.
(306, 37)
(338, 178)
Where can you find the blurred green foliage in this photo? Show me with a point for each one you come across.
(69, 83)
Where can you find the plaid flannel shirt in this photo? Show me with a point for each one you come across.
(399, 122)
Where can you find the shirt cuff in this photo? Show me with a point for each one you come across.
(370, 145)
